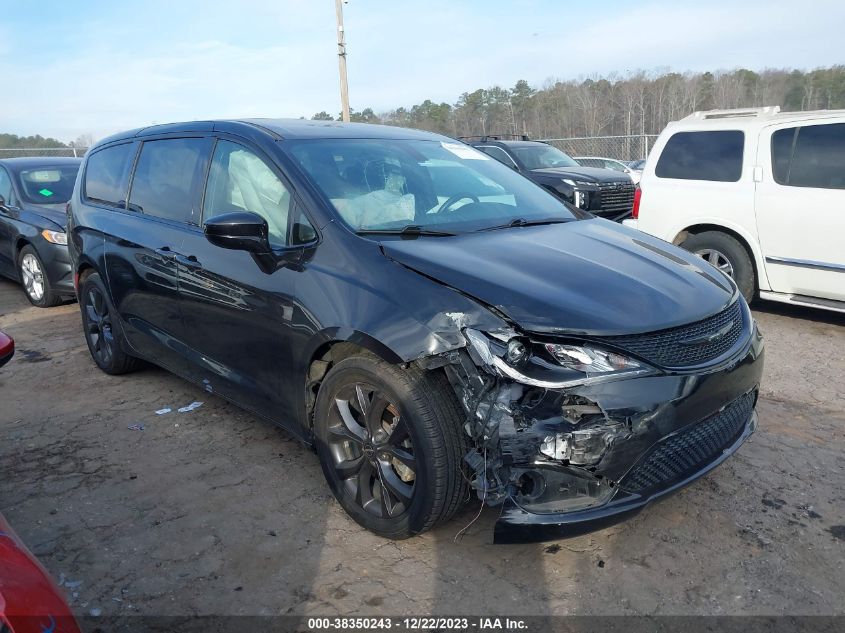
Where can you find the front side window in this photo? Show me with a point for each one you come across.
(240, 181)
(47, 184)
(166, 178)
(810, 156)
(714, 156)
(543, 157)
(389, 184)
(107, 174)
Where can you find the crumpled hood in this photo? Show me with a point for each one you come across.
(55, 213)
(587, 174)
(591, 277)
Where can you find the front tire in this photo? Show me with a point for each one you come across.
(102, 330)
(390, 444)
(728, 255)
(33, 276)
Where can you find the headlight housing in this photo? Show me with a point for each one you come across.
(591, 360)
(54, 237)
(551, 365)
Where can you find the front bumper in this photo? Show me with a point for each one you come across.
(516, 525)
(679, 427)
(56, 260)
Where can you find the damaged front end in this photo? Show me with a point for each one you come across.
(570, 435)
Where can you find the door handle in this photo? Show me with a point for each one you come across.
(165, 252)
(189, 261)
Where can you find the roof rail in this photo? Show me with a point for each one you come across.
(765, 111)
(495, 137)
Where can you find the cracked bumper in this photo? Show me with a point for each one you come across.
(682, 426)
(516, 525)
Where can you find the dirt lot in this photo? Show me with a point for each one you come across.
(217, 512)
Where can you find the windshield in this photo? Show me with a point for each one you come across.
(47, 185)
(387, 184)
(543, 156)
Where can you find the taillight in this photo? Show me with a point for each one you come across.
(638, 194)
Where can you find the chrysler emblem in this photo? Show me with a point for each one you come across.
(704, 339)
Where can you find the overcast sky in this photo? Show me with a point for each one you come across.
(100, 66)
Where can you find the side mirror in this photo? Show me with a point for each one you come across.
(242, 231)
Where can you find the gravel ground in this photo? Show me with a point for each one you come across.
(217, 512)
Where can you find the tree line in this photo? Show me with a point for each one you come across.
(13, 141)
(637, 103)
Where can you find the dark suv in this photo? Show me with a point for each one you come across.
(428, 319)
(603, 192)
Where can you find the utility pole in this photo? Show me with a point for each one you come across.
(341, 60)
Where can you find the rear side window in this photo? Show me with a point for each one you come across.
(498, 153)
(107, 174)
(810, 156)
(166, 178)
(715, 156)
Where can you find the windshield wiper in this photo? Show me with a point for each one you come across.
(523, 222)
(411, 230)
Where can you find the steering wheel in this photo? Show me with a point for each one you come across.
(456, 198)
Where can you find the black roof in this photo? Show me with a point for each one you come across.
(508, 143)
(284, 129)
(28, 162)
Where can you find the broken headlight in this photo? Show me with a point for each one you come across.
(550, 365)
(590, 360)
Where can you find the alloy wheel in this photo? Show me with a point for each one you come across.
(33, 277)
(372, 451)
(99, 326)
(716, 259)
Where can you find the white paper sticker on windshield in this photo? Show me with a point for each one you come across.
(464, 151)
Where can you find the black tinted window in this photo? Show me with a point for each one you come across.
(703, 156)
(166, 178)
(106, 174)
(782, 142)
(498, 153)
(810, 156)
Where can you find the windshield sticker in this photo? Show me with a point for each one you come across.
(46, 193)
(464, 151)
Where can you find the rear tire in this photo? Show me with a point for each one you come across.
(33, 276)
(102, 328)
(726, 253)
(391, 445)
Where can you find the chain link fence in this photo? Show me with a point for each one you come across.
(52, 152)
(631, 147)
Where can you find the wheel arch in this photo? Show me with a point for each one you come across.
(331, 346)
(741, 236)
(20, 243)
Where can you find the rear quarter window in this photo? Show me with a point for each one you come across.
(810, 156)
(715, 156)
(107, 174)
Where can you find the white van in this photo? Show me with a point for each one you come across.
(757, 192)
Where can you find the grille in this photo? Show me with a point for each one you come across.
(616, 198)
(687, 345)
(687, 452)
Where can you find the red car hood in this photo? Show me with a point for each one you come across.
(30, 602)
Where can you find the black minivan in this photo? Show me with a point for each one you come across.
(428, 319)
